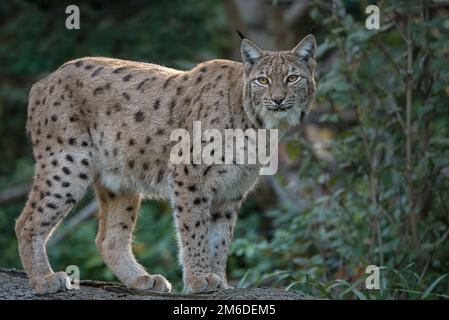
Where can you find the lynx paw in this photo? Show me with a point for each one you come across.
(204, 283)
(52, 283)
(154, 282)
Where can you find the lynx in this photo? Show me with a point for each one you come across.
(107, 123)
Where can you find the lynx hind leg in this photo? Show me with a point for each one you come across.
(118, 215)
(59, 183)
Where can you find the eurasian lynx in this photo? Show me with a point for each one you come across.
(107, 123)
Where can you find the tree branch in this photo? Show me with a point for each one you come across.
(14, 193)
(83, 214)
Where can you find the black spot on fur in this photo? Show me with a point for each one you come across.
(101, 89)
(160, 175)
(118, 70)
(179, 183)
(96, 72)
(139, 116)
(139, 86)
(156, 104)
(51, 205)
(127, 78)
(69, 158)
(206, 170)
(66, 170)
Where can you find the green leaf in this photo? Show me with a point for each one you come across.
(433, 285)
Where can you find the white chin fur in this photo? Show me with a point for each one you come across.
(274, 119)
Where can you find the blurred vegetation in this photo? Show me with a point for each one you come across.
(365, 181)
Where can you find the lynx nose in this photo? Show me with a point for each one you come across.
(278, 100)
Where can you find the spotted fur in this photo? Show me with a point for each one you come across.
(107, 123)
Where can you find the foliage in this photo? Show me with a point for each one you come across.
(376, 206)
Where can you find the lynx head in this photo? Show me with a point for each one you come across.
(279, 85)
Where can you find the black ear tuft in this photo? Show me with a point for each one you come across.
(241, 35)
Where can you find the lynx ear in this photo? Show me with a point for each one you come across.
(250, 52)
(306, 49)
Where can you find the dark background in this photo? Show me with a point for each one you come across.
(364, 181)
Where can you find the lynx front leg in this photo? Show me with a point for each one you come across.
(192, 219)
(223, 218)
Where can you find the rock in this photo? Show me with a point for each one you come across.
(14, 285)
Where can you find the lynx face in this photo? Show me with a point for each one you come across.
(280, 85)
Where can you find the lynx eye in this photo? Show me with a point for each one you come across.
(292, 78)
(262, 81)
